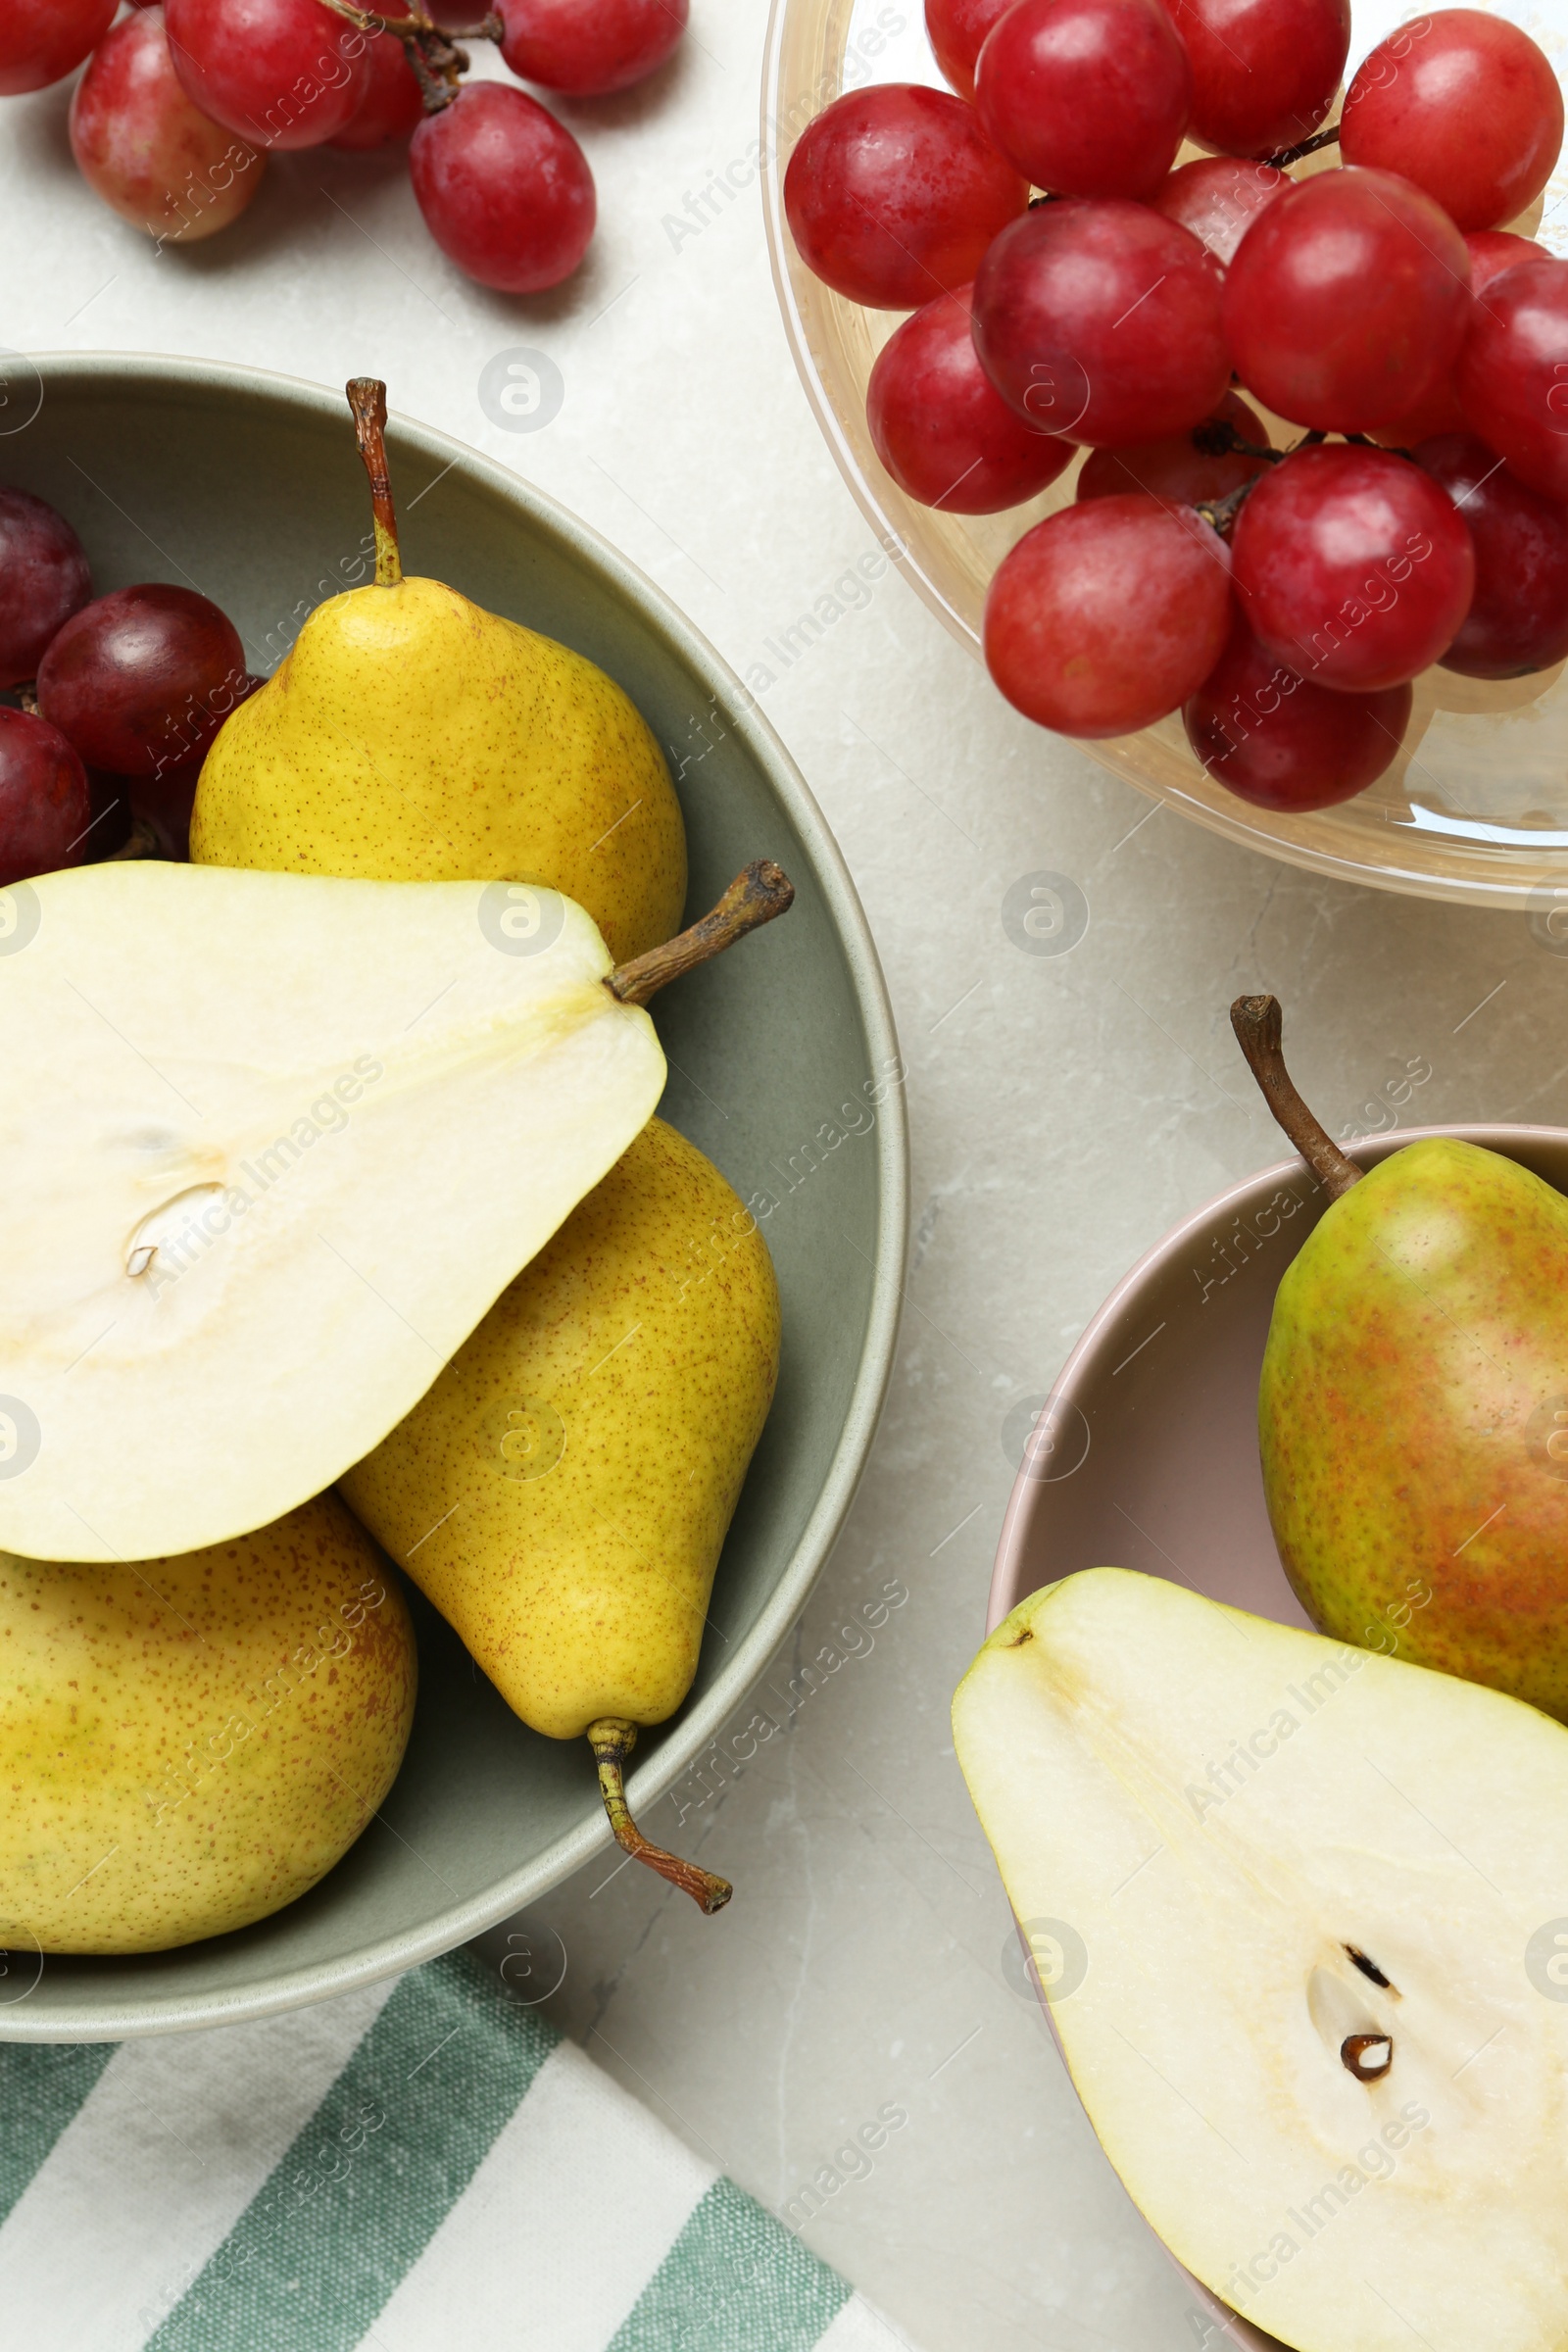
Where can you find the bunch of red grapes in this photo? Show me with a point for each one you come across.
(107, 704)
(1282, 599)
(181, 104)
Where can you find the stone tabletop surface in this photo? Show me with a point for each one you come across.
(1064, 1111)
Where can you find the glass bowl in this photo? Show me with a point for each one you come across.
(1475, 808)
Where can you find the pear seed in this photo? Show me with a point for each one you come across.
(1367, 2056)
(140, 1259)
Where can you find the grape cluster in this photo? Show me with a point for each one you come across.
(181, 105)
(107, 704)
(1146, 315)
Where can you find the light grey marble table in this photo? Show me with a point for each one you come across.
(1066, 1111)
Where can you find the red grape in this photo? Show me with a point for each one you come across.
(392, 107)
(1217, 199)
(1518, 618)
(1087, 97)
(45, 808)
(145, 149)
(1106, 617)
(1438, 410)
(1513, 373)
(43, 579)
(1101, 321)
(588, 52)
(1281, 742)
(1178, 470)
(1491, 250)
(1352, 567)
(282, 74)
(504, 189)
(1349, 298)
(941, 429)
(1463, 104)
(44, 40)
(893, 193)
(1264, 71)
(141, 681)
(956, 31)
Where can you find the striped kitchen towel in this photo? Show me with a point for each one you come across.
(421, 2167)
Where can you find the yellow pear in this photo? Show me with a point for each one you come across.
(187, 1744)
(411, 736)
(563, 1491)
(272, 1145)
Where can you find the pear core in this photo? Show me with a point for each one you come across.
(1246, 1849)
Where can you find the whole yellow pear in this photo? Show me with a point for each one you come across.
(186, 1745)
(411, 736)
(563, 1491)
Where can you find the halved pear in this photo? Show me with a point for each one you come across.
(271, 1145)
(1302, 1914)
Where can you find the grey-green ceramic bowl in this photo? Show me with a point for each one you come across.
(784, 1068)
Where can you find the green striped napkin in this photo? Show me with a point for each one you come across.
(410, 2169)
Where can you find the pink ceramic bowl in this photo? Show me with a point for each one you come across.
(1145, 1456)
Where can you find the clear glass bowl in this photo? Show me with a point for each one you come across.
(1475, 808)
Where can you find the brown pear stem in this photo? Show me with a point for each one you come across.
(613, 1740)
(752, 900)
(368, 403)
(1256, 1023)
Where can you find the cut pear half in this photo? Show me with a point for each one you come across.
(271, 1146)
(1302, 1914)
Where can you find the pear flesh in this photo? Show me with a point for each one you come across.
(1413, 1418)
(187, 1744)
(563, 1491)
(1300, 1915)
(410, 736)
(271, 1146)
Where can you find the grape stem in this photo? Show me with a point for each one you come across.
(1220, 513)
(436, 59)
(1296, 155)
(1217, 437)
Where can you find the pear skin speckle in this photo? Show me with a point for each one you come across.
(1417, 1356)
(187, 1744)
(562, 1491)
(410, 736)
